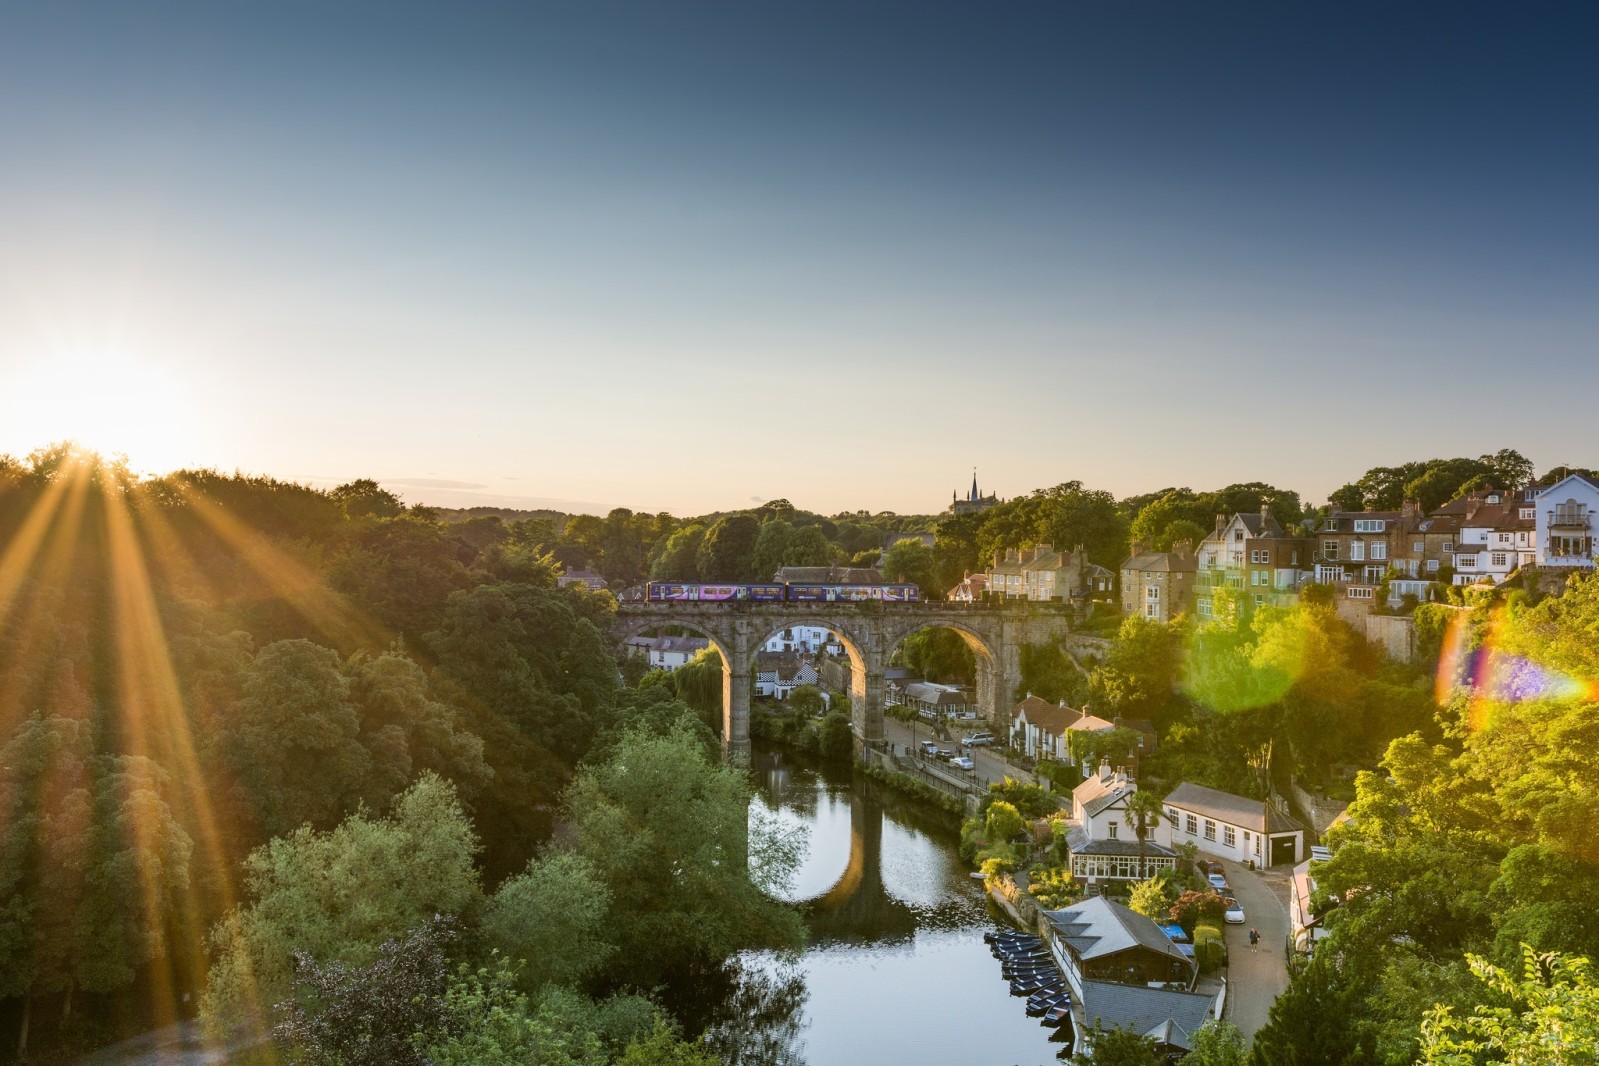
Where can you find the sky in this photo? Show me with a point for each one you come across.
(687, 256)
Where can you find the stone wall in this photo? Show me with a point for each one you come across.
(1395, 634)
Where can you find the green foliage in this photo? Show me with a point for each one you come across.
(728, 551)
(1003, 822)
(1053, 888)
(940, 655)
(806, 700)
(1553, 1017)
(1030, 801)
(1217, 1043)
(1153, 899)
(1117, 1047)
(910, 562)
(402, 870)
(668, 832)
(1048, 673)
(837, 739)
(1192, 908)
(552, 920)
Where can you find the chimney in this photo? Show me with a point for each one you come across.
(1183, 549)
(1137, 547)
(1265, 511)
(1062, 703)
(1221, 524)
(1104, 770)
(1044, 549)
(998, 555)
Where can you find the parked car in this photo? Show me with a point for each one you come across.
(1218, 882)
(1211, 866)
(929, 749)
(946, 754)
(964, 762)
(1235, 912)
(978, 738)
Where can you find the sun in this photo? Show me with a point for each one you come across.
(115, 404)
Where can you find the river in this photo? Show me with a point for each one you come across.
(896, 969)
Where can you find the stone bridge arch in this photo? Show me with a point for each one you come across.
(870, 632)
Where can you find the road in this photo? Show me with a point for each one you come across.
(989, 768)
(1255, 978)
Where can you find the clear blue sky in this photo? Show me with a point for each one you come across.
(685, 255)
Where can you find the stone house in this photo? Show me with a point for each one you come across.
(1254, 555)
(1158, 585)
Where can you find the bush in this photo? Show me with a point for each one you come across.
(1192, 908)
(1053, 888)
(1030, 801)
(1210, 953)
(909, 786)
(1004, 822)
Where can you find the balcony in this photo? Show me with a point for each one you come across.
(1564, 519)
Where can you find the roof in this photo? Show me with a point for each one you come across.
(1097, 927)
(938, 695)
(1051, 718)
(1584, 478)
(683, 645)
(1163, 562)
(1117, 846)
(1168, 1017)
(1237, 810)
(1101, 791)
(1091, 723)
(829, 575)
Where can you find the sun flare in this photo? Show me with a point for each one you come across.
(113, 404)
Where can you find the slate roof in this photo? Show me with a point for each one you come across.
(1161, 562)
(1097, 793)
(937, 695)
(1098, 927)
(1118, 846)
(1237, 810)
(1169, 1017)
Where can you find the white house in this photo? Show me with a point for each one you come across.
(776, 674)
(1496, 535)
(1234, 827)
(931, 700)
(811, 640)
(1563, 515)
(667, 653)
(1103, 840)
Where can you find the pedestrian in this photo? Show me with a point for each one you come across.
(1254, 938)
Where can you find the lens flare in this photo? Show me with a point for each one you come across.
(1487, 674)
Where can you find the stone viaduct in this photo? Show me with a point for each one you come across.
(869, 632)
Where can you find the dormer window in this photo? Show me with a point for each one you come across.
(1526, 512)
(1369, 525)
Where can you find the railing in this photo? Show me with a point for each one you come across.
(1559, 519)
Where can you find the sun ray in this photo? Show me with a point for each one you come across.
(299, 585)
(155, 723)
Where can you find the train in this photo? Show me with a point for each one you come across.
(779, 592)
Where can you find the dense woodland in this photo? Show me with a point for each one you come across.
(231, 705)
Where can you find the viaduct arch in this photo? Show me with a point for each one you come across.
(869, 631)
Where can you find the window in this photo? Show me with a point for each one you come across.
(1238, 535)
(1210, 829)
(1379, 550)
(1259, 599)
(1113, 828)
(1204, 609)
(1504, 538)
(1374, 574)
(1357, 550)
(1369, 525)
(1432, 566)
(1418, 546)
(1227, 836)
(1526, 512)
(1294, 559)
(1171, 816)
(1329, 550)
(1449, 545)
(1192, 825)
(1355, 592)
(1332, 525)
(1499, 558)
(1466, 560)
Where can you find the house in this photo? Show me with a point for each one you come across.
(779, 673)
(1125, 973)
(1102, 839)
(934, 701)
(1040, 573)
(667, 653)
(1495, 533)
(1304, 925)
(1353, 549)
(828, 575)
(1042, 729)
(1564, 523)
(973, 587)
(1250, 553)
(1158, 585)
(811, 640)
(587, 578)
(1233, 827)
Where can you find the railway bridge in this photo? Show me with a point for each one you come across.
(870, 631)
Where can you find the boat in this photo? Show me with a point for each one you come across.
(1055, 1016)
(1028, 987)
(1040, 1004)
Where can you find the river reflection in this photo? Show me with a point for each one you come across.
(896, 969)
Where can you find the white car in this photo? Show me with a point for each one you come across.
(964, 762)
(976, 739)
(1235, 912)
(1218, 882)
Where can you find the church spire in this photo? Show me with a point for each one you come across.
(975, 497)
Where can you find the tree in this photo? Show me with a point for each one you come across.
(365, 498)
(668, 831)
(551, 920)
(1003, 822)
(1144, 811)
(1554, 1017)
(806, 700)
(1217, 1043)
(676, 558)
(402, 870)
(1117, 1047)
(837, 741)
(370, 1015)
(728, 551)
(910, 562)
(1152, 899)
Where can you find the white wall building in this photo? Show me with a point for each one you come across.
(667, 653)
(1564, 517)
(810, 640)
(1233, 827)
